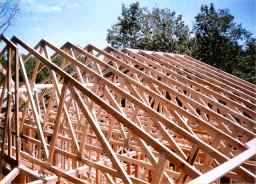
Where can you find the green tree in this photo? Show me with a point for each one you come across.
(164, 31)
(126, 32)
(218, 38)
(246, 67)
(156, 29)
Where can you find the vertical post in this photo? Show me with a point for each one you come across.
(8, 117)
(17, 105)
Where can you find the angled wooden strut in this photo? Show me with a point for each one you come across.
(90, 115)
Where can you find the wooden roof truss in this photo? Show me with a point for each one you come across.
(122, 116)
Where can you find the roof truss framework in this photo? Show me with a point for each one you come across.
(122, 116)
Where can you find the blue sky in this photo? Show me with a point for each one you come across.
(87, 21)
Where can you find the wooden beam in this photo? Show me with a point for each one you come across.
(10, 176)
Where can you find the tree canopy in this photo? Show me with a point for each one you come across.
(223, 43)
(156, 29)
(246, 66)
(218, 37)
(215, 37)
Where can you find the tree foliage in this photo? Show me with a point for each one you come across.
(219, 42)
(126, 32)
(246, 66)
(218, 37)
(215, 39)
(156, 29)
